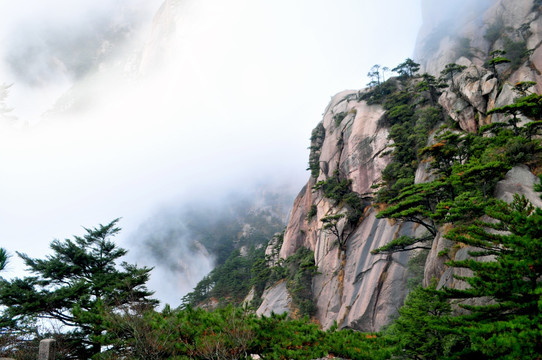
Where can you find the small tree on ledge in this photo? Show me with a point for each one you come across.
(331, 223)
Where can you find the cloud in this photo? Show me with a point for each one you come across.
(231, 105)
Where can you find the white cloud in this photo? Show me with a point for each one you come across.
(245, 83)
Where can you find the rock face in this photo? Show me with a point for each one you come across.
(481, 28)
(275, 300)
(355, 288)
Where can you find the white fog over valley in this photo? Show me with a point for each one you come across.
(151, 112)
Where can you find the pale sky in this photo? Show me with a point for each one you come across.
(233, 104)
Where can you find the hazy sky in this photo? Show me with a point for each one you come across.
(231, 105)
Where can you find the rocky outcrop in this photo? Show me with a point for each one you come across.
(483, 27)
(519, 180)
(355, 288)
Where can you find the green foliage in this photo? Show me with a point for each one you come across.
(281, 338)
(350, 344)
(298, 270)
(405, 112)
(75, 284)
(330, 223)
(407, 68)
(450, 71)
(301, 271)
(339, 117)
(231, 281)
(404, 243)
(466, 169)
(334, 188)
(317, 140)
(529, 106)
(375, 76)
(4, 256)
(522, 87)
(312, 212)
(377, 94)
(231, 333)
(508, 327)
(495, 30)
(417, 203)
(429, 88)
(340, 190)
(498, 60)
(516, 51)
(420, 331)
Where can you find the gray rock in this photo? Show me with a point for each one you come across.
(519, 180)
(275, 300)
(434, 266)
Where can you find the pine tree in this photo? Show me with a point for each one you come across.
(507, 269)
(407, 68)
(75, 285)
(3, 258)
(422, 330)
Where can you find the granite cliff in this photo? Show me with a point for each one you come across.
(353, 287)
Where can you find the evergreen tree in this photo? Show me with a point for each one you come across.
(421, 331)
(450, 70)
(506, 269)
(431, 86)
(522, 87)
(3, 258)
(75, 285)
(497, 58)
(375, 76)
(407, 68)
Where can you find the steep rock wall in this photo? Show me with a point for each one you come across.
(479, 91)
(355, 288)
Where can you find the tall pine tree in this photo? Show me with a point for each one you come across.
(75, 285)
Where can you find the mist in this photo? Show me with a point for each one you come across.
(121, 113)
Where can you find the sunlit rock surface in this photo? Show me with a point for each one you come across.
(275, 300)
(354, 288)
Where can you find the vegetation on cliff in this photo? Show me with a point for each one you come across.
(495, 314)
(500, 304)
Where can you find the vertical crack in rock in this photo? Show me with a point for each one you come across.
(379, 286)
(359, 277)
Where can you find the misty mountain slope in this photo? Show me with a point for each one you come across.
(186, 242)
(353, 287)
